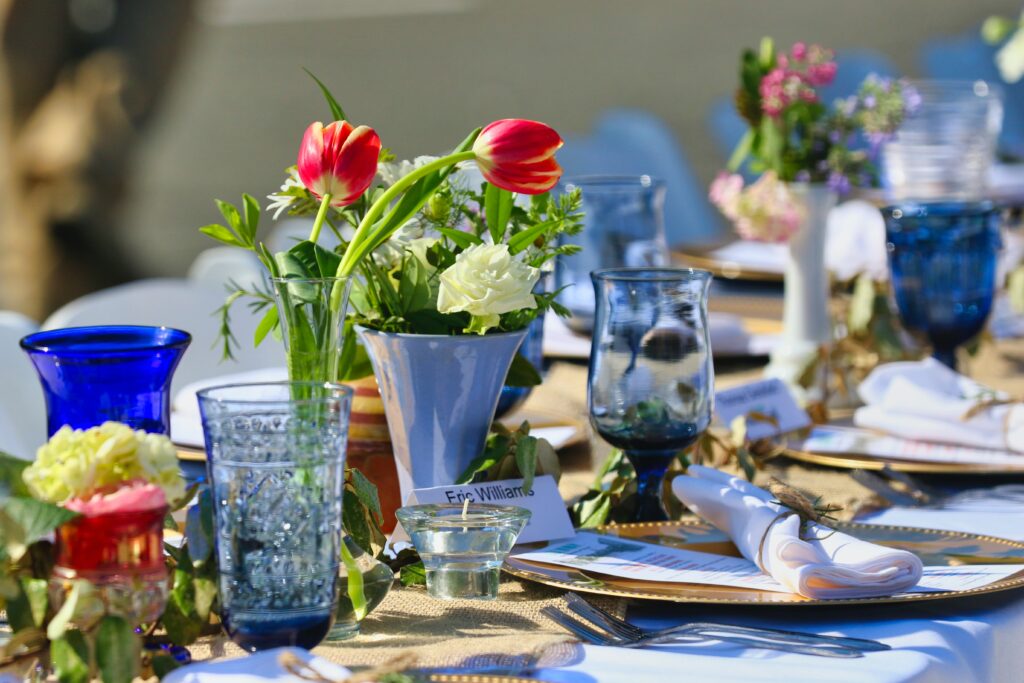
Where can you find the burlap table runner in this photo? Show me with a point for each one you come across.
(510, 632)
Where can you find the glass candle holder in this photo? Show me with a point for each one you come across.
(463, 548)
(276, 460)
(122, 555)
(120, 373)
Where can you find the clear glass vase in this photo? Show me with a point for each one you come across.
(312, 317)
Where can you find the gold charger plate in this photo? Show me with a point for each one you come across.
(862, 461)
(934, 547)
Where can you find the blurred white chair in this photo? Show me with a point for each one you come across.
(218, 266)
(185, 305)
(22, 407)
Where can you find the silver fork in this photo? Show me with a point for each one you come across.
(598, 638)
(624, 629)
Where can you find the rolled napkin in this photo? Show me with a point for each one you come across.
(927, 401)
(821, 564)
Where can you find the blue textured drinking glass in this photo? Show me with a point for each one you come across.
(942, 256)
(276, 461)
(533, 351)
(113, 372)
(624, 227)
(651, 381)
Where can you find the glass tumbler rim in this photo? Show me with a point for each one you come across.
(207, 395)
(643, 274)
(484, 514)
(309, 280)
(614, 182)
(938, 208)
(992, 89)
(134, 338)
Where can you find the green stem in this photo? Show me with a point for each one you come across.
(357, 248)
(325, 204)
(356, 593)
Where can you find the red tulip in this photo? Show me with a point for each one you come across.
(519, 155)
(338, 159)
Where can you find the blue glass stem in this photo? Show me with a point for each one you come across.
(945, 356)
(650, 469)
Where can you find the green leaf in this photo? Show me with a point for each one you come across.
(199, 528)
(414, 287)
(81, 606)
(117, 650)
(11, 481)
(222, 234)
(267, 323)
(164, 664)
(23, 521)
(526, 460)
(336, 111)
(354, 362)
(70, 657)
(181, 618)
(231, 215)
(327, 261)
(742, 150)
(497, 210)
(522, 373)
(463, 240)
(414, 575)
(522, 240)
(251, 207)
(28, 608)
(206, 593)
(593, 509)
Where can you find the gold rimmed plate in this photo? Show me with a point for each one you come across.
(934, 547)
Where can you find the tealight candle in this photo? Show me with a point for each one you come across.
(463, 546)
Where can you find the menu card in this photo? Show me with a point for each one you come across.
(869, 443)
(629, 559)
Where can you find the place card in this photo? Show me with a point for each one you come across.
(549, 519)
(629, 559)
(769, 397)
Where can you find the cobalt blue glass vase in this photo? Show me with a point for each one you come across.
(942, 256)
(533, 351)
(121, 373)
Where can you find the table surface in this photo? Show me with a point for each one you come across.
(941, 642)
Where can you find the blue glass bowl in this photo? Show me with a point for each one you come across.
(942, 256)
(112, 372)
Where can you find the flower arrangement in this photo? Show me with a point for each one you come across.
(1009, 57)
(77, 601)
(426, 249)
(794, 137)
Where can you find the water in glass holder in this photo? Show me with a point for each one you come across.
(463, 547)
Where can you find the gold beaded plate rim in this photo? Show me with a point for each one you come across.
(935, 547)
(478, 678)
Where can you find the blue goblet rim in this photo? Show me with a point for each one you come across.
(939, 209)
(613, 183)
(641, 274)
(89, 340)
(342, 392)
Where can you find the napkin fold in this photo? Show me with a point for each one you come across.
(927, 401)
(262, 667)
(827, 565)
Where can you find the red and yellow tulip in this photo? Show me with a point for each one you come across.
(519, 155)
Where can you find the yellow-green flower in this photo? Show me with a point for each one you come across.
(76, 463)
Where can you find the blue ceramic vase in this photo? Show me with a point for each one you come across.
(439, 396)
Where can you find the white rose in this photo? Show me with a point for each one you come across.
(486, 281)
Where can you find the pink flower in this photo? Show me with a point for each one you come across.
(821, 74)
(766, 211)
(780, 88)
(799, 51)
(133, 496)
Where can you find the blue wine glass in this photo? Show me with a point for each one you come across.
(650, 388)
(942, 257)
(120, 373)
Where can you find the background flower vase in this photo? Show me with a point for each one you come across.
(440, 393)
(807, 325)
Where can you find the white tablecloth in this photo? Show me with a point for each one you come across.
(976, 640)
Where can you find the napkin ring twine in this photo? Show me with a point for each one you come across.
(794, 503)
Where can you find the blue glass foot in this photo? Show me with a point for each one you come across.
(650, 469)
(265, 631)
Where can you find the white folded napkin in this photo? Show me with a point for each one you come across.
(186, 425)
(831, 565)
(927, 401)
(263, 667)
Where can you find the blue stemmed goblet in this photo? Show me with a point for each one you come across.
(942, 258)
(650, 389)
